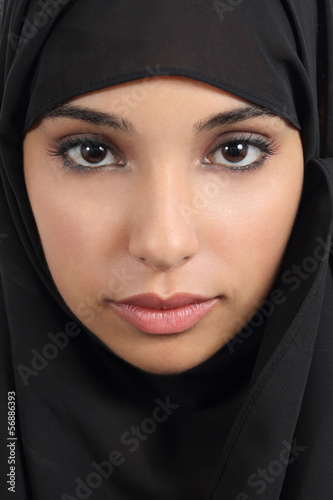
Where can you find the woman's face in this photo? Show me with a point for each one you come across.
(164, 186)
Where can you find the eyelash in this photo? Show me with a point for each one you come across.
(264, 145)
(60, 149)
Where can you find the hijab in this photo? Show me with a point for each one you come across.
(255, 418)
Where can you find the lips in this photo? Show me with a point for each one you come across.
(152, 314)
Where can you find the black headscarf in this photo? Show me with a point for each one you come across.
(255, 419)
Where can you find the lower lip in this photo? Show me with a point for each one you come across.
(164, 321)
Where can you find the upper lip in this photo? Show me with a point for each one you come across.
(153, 301)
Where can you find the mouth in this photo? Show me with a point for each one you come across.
(152, 314)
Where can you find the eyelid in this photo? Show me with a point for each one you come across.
(90, 136)
(64, 144)
(263, 143)
(238, 135)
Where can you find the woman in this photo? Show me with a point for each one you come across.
(165, 240)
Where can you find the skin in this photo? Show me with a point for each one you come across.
(167, 222)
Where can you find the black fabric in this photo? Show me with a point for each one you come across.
(268, 432)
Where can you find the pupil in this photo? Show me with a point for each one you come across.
(93, 153)
(235, 152)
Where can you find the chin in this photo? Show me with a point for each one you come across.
(163, 364)
(159, 369)
(162, 354)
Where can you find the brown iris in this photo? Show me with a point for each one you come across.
(93, 153)
(235, 152)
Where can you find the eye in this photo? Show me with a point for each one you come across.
(241, 154)
(90, 153)
(237, 153)
(79, 153)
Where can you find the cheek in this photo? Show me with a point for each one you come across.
(253, 225)
(83, 228)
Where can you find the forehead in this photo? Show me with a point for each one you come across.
(159, 100)
(159, 90)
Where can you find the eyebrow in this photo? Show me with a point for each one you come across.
(232, 117)
(89, 116)
(122, 124)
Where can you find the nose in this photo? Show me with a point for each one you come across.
(160, 235)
